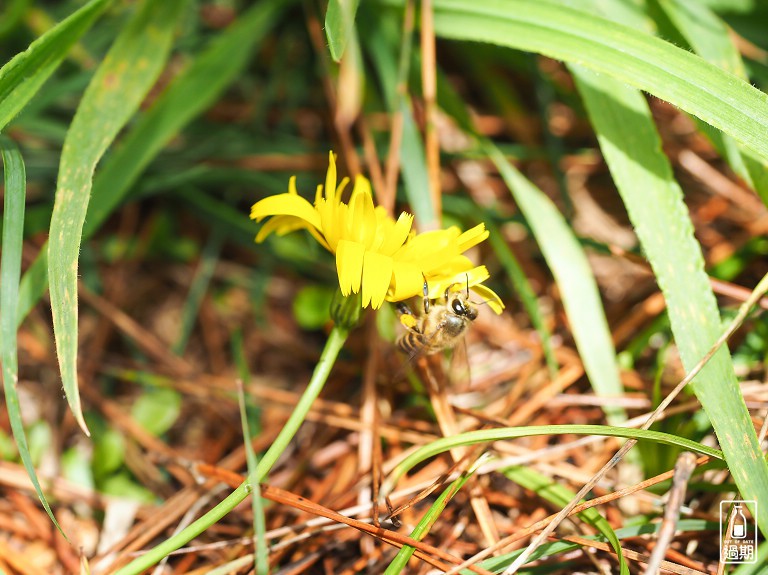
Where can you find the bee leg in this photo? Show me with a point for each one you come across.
(407, 318)
(403, 309)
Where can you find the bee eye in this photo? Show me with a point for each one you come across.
(458, 307)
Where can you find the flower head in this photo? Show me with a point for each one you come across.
(382, 257)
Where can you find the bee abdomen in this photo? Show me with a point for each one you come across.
(411, 342)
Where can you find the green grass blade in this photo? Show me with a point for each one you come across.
(261, 556)
(208, 260)
(400, 562)
(654, 202)
(381, 45)
(525, 292)
(190, 94)
(33, 284)
(128, 71)
(15, 181)
(708, 37)
(339, 25)
(574, 278)
(637, 59)
(506, 433)
(559, 495)
(333, 346)
(22, 77)
(413, 161)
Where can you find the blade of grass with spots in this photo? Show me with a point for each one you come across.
(644, 176)
(654, 202)
(121, 82)
(15, 181)
(190, 93)
(23, 75)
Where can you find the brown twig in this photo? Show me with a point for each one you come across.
(686, 463)
(429, 85)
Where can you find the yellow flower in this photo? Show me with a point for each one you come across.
(382, 257)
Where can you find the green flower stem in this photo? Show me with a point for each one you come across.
(332, 347)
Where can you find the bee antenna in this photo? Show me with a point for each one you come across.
(484, 302)
(467, 276)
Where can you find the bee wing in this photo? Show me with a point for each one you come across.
(459, 371)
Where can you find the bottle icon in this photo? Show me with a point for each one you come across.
(739, 529)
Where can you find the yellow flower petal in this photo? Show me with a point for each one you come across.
(320, 239)
(361, 221)
(340, 190)
(377, 274)
(407, 281)
(330, 178)
(430, 249)
(472, 237)
(455, 266)
(281, 225)
(286, 205)
(490, 297)
(332, 220)
(349, 265)
(469, 276)
(395, 236)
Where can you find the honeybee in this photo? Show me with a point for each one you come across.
(441, 326)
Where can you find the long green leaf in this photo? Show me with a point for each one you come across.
(414, 161)
(654, 202)
(506, 433)
(15, 180)
(122, 81)
(637, 59)
(194, 90)
(524, 291)
(453, 104)
(22, 77)
(340, 25)
(578, 288)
